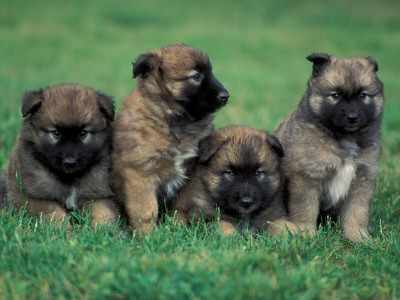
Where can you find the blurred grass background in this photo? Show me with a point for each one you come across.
(258, 51)
(257, 48)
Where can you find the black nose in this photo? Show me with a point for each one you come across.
(69, 162)
(223, 96)
(246, 201)
(352, 117)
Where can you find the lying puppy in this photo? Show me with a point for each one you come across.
(239, 174)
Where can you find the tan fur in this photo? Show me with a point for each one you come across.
(330, 172)
(229, 148)
(40, 190)
(155, 136)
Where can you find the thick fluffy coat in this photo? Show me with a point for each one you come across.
(238, 176)
(332, 144)
(61, 159)
(159, 126)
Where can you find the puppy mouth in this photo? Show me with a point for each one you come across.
(351, 128)
(246, 210)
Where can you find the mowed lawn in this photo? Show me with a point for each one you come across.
(258, 51)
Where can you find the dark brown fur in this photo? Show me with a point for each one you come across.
(61, 156)
(159, 127)
(239, 174)
(332, 145)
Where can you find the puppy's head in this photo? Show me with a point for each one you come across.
(183, 74)
(242, 164)
(345, 94)
(68, 127)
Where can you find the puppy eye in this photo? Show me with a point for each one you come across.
(230, 174)
(335, 96)
(56, 134)
(362, 96)
(196, 76)
(83, 133)
(259, 174)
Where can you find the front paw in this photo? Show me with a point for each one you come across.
(357, 235)
(303, 229)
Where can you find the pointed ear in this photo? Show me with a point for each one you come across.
(145, 64)
(106, 104)
(373, 63)
(208, 147)
(275, 144)
(31, 102)
(319, 62)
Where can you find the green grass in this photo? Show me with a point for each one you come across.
(258, 51)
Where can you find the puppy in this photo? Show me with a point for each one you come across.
(159, 126)
(238, 172)
(61, 159)
(332, 144)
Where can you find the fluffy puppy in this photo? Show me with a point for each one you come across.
(159, 126)
(332, 144)
(238, 173)
(61, 159)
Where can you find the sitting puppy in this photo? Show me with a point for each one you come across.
(239, 174)
(332, 145)
(61, 159)
(159, 126)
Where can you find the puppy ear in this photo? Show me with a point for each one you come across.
(106, 104)
(319, 62)
(373, 63)
(145, 64)
(275, 144)
(208, 147)
(31, 102)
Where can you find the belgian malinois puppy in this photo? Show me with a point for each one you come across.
(61, 159)
(332, 145)
(159, 126)
(237, 178)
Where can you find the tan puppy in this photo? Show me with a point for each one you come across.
(332, 144)
(159, 127)
(61, 158)
(239, 174)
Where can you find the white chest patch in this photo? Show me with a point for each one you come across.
(180, 173)
(71, 200)
(339, 186)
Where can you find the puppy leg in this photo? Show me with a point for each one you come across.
(104, 211)
(280, 226)
(354, 212)
(226, 227)
(50, 210)
(140, 201)
(303, 206)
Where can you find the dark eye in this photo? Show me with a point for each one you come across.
(335, 96)
(56, 134)
(258, 174)
(83, 133)
(230, 174)
(196, 76)
(363, 96)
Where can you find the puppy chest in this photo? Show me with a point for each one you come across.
(337, 188)
(177, 177)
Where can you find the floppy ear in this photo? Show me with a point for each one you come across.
(275, 144)
(319, 62)
(145, 64)
(373, 63)
(31, 102)
(106, 104)
(208, 147)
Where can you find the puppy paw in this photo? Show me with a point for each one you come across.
(358, 235)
